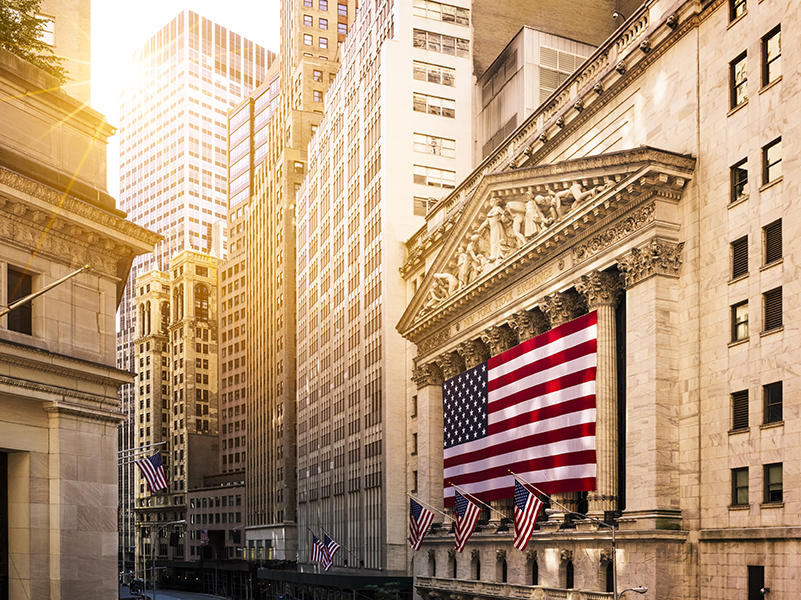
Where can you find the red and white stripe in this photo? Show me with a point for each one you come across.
(541, 415)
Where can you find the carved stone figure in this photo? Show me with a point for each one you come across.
(496, 217)
(463, 266)
(517, 212)
(477, 258)
(451, 281)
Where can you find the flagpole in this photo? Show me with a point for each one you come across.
(436, 510)
(466, 493)
(356, 556)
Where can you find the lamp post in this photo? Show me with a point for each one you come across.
(153, 551)
(640, 589)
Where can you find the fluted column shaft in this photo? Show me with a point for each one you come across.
(602, 291)
(428, 378)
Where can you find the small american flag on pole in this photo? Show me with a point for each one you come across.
(531, 410)
(319, 551)
(153, 471)
(467, 515)
(527, 507)
(420, 519)
(331, 549)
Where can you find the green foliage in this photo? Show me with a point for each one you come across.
(20, 33)
(387, 591)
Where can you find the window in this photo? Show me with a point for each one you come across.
(739, 487)
(323, 24)
(739, 181)
(772, 394)
(739, 81)
(773, 309)
(429, 144)
(772, 56)
(342, 28)
(773, 483)
(317, 95)
(342, 10)
(772, 161)
(323, 42)
(308, 3)
(434, 105)
(739, 321)
(19, 285)
(446, 13)
(317, 75)
(569, 575)
(308, 39)
(323, 5)
(308, 21)
(736, 8)
(739, 409)
(739, 257)
(434, 73)
(773, 242)
(434, 177)
(444, 44)
(420, 208)
(47, 34)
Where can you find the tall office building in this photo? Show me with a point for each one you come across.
(262, 220)
(396, 137)
(175, 96)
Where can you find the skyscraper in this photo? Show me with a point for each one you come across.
(176, 91)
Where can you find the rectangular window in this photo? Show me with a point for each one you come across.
(19, 285)
(434, 105)
(323, 42)
(772, 161)
(773, 483)
(739, 181)
(342, 28)
(444, 44)
(342, 10)
(773, 309)
(308, 39)
(308, 21)
(773, 242)
(739, 257)
(434, 177)
(308, 3)
(430, 144)
(323, 24)
(317, 95)
(739, 409)
(739, 486)
(772, 394)
(736, 8)
(446, 13)
(772, 56)
(323, 5)
(739, 321)
(317, 75)
(434, 73)
(739, 80)
(420, 208)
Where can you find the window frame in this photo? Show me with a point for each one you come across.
(773, 489)
(342, 10)
(739, 410)
(739, 257)
(308, 39)
(772, 242)
(323, 42)
(738, 486)
(736, 86)
(308, 21)
(773, 309)
(20, 320)
(770, 400)
(767, 165)
(767, 63)
(735, 11)
(737, 325)
(739, 185)
(322, 23)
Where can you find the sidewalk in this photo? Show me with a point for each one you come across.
(169, 595)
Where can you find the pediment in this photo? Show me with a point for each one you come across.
(518, 219)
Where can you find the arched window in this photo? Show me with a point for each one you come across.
(569, 575)
(178, 303)
(535, 573)
(432, 565)
(141, 320)
(453, 567)
(475, 566)
(201, 303)
(148, 330)
(504, 572)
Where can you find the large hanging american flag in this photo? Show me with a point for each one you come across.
(153, 471)
(467, 515)
(527, 507)
(420, 519)
(530, 410)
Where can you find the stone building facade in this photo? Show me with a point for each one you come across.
(628, 193)
(58, 384)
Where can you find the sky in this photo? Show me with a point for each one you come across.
(119, 28)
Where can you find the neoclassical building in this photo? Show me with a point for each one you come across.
(627, 193)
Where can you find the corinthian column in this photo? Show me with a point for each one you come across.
(528, 324)
(560, 308)
(602, 292)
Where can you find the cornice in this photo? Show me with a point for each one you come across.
(81, 412)
(61, 392)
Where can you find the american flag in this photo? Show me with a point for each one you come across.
(419, 521)
(153, 471)
(467, 515)
(531, 410)
(319, 551)
(204, 537)
(527, 507)
(331, 549)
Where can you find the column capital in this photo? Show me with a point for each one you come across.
(450, 363)
(528, 324)
(500, 554)
(474, 352)
(655, 258)
(498, 338)
(562, 307)
(600, 288)
(427, 374)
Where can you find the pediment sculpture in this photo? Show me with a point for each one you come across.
(509, 221)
